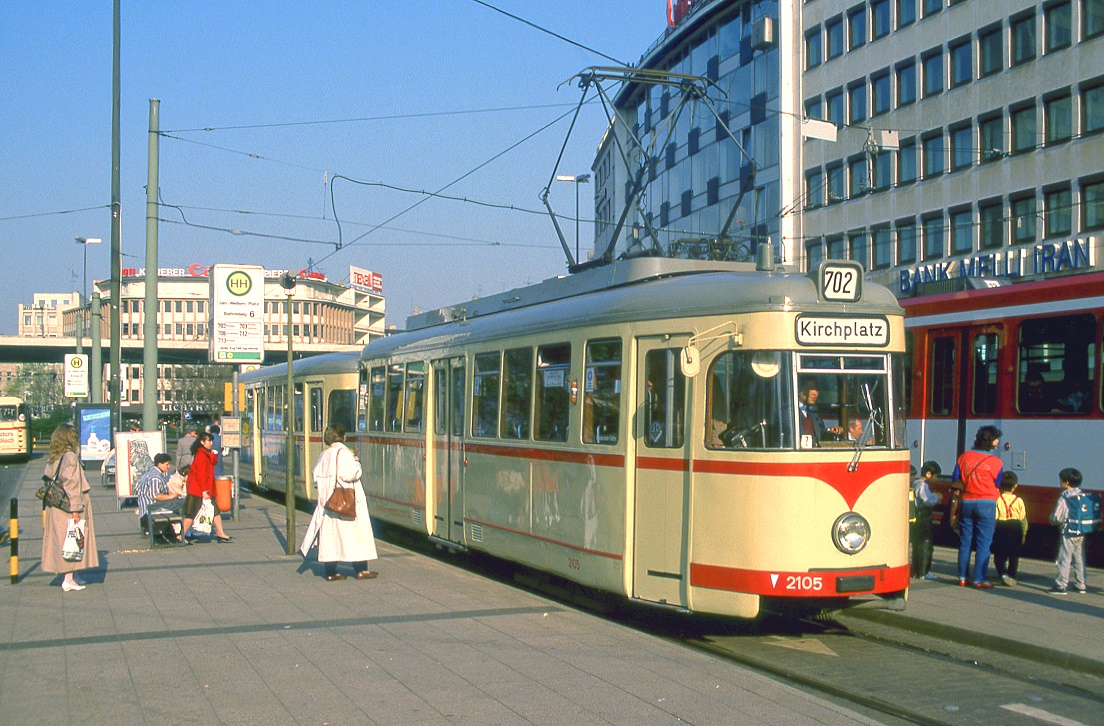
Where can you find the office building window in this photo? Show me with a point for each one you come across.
(1058, 112)
(1023, 129)
(814, 253)
(1092, 109)
(1023, 38)
(1058, 19)
(1092, 18)
(962, 146)
(932, 64)
(168, 330)
(933, 155)
(836, 190)
(881, 94)
(180, 329)
(881, 246)
(833, 100)
(962, 68)
(199, 306)
(933, 237)
(931, 7)
(835, 248)
(906, 12)
(906, 241)
(168, 306)
(906, 161)
(962, 231)
(812, 48)
(123, 306)
(126, 329)
(189, 329)
(833, 37)
(856, 170)
(1092, 206)
(814, 108)
(906, 83)
(883, 169)
(1023, 219)
(879, 19)
(859, 251)
(814, 189)
(856, 27)
(990, 50)
(179, 306)
(991, 135)
(1058, 210)
(856, 101)
(992, 224)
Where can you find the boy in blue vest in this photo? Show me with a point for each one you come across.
(1071, 544)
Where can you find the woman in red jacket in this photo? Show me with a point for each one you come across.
(201, 487)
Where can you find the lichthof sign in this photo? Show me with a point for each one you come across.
(237, 314)
(75, 383)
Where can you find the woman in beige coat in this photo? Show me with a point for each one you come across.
(64, 462)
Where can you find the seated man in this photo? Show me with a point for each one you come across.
(811, 423)
(152, 491)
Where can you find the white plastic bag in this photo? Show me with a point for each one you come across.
(72, 550)
(204, 518)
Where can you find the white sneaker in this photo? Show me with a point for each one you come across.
(1010, 581)
(70, 586)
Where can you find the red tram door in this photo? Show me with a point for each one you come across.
(662, 481)
(448, 442)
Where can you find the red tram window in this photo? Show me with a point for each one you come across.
(1057, 364)
(942, 376)
(983, 394)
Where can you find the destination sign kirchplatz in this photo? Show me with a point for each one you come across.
(237, 313)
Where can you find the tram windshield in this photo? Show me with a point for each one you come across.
(783, 400)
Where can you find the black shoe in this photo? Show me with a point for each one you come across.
(223, 540)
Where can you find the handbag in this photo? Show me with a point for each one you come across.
(72, 550)
(342, 501)
(204, 518)
(52, 493)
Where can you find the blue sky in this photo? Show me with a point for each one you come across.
(407, 95)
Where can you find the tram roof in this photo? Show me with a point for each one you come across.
(317, 365)
(624, 291)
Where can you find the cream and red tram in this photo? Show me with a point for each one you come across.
(635, 428)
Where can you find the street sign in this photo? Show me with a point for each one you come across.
(237, 314)
(75, 383)
(231, 432)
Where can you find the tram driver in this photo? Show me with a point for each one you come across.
(811, 423)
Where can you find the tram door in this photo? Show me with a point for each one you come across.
(312, 435)
(660, 534)
(448, 442)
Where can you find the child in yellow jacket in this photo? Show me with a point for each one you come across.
(1011, 531)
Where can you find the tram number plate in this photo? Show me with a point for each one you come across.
(803, 583)
(841, 282)
(573, 563)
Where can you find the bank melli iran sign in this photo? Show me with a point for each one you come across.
(827, 330)
(237, 314)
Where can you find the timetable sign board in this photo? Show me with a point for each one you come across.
(237, 314)
(75, 382)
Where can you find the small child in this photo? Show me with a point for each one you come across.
(1011, 531)
(1071, 547)
(921, 529)
(178, 481)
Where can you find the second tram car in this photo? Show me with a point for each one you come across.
(1025, 357)
(640, 428)
(16, 439)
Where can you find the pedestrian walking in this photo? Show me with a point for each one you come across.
(1071, 541)
(340, 539)
(201, 488)
(1011, 531)
(980, 472)
(920, 534)
(63, 463)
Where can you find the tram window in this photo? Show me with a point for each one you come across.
(553, 385)
(362, 401)
(376, 407)
(602, 392)
(342, 405)
(984, 394)
(393, 413)
(415, 397)
(750, 401)
(943, 376)
(901, 401)
(298, 407)
(440, 396)
(279, 393)
(664, 400)
(517, 393)
(485, 394)
(316, 409)
(1057, 365)
(854, 398)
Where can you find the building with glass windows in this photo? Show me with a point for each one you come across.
(931, 140)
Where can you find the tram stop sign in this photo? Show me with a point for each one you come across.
(75, 381)
(237, 314)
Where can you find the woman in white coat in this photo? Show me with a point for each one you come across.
(340, 539)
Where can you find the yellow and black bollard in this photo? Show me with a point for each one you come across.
(13, 532)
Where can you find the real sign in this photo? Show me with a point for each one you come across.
(237, 314)
(828, 330)
(75, 383)
(365, 280)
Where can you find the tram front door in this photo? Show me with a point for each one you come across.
(660, 553)
(448, 442)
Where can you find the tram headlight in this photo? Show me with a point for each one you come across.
(850, 533)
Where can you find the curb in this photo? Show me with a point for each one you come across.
(1038, 654)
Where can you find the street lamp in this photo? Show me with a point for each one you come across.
(580, 179)
(84, 241)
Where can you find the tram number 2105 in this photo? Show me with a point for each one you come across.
(803, 583)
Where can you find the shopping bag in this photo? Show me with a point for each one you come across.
(72, 550)
(206, 515)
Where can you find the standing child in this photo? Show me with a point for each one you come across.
(1071, 544)
(1011, 530)
(921, 534)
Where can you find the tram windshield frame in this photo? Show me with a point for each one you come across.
(755, 401)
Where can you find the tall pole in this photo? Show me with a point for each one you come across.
(96, 364)
(116, 226)
(576, 219)
(290, 439)
(149, 321)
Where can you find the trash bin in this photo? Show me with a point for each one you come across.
(224, 487)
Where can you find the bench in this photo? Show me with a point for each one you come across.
(159, 515)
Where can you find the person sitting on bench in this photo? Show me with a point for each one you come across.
(152, 491)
